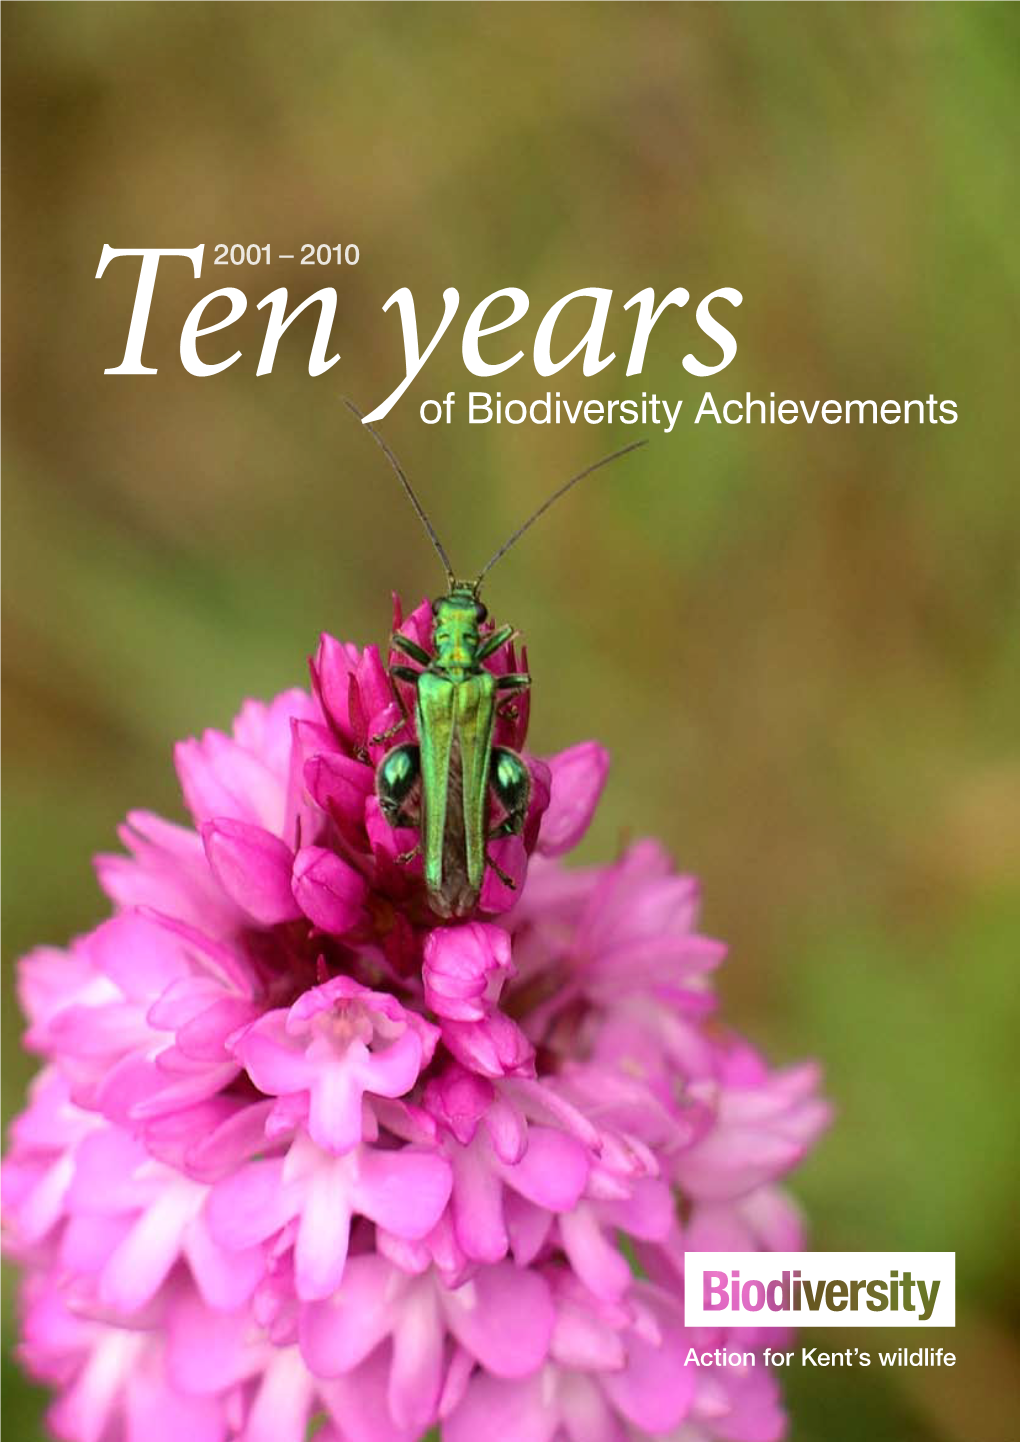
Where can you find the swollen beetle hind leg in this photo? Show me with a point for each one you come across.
(395, 778)
(511, 781)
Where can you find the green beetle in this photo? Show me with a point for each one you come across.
(454, 769)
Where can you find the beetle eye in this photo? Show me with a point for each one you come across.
(481, 614)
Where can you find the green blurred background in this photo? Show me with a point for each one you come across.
(800, 643)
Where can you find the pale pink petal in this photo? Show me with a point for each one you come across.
(393, 1070)
(552, 1172)
(139, 955)
(416, 1372)
(221, 779)
(250, 1205)
(478, 1205)
(156, 1412)
(594, 1256)
(404, 1191)
(226, 1279)
(320, 1252)
(141, 1263)
(656, 1388)
(359, 1403)
(207, 1351)
(275, 1060)
(587, 1416)
(527, 1226)
(284, 1403)
(339, 1333)
(510, 1411)
(334, 1116)
(504, 1316)
(585, 1341)
(494, 1047)
(204, 1037)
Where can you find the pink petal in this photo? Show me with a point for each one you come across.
(284, 1403)
(156, 1412)
(478, 1206)
(494, 1047)
(504, 1316)
(404, 1191)
(587, 1416)
(320, 1253)
(137, 954)
(510, 855)
(584, 1341)
(253, 867)
(99, 1031)
(595, 1259)
(140, 1265)
(528, 1227)
(332, 674)
(578, 776)
(88, 1242)
(226, 1279)
(552, 1172)
(339, 1333)
(649, 1212)
(655, 1389)
(275, 1060)
(204, 1037)
(251, 1205)
(221, 779)
(416, 1372)
(339, 784)
(393, 1070)
(459, 965)
(106, 1174)
(334, 1114)
(206, 1351)
(510, 1411)
(358, 1401)
(329, 892)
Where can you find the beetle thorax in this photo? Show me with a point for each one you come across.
(456, 636)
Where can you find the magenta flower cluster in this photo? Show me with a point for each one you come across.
(300, 1154)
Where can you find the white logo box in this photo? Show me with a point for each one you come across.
(774, 1276)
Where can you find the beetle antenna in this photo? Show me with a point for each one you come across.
(419, 508)
(615, 456)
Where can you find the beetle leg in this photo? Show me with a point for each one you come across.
(515, 681)
(494, 641)
(507, 881)
(395, 778)
(404, 644)
(401, 673)
(511, 781)
(389, 733)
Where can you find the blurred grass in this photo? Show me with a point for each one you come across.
(801, 644)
